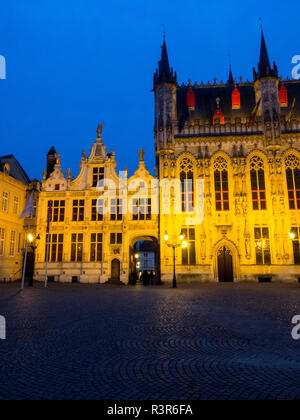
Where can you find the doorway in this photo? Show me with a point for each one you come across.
(144, 261)
(115, 270)
(225, 265)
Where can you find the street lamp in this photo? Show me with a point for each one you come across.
(33, 243)
(175, 244)
(292, 235)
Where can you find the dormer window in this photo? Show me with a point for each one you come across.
(98, 175)
(236, 99)
(283, 96)
(57, 187)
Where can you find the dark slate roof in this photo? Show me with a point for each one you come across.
(16, 170)
(293, 88)
(206, 105)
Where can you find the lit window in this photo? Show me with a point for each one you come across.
(16, 205)
(12, 246)
(292, 165)
(97, 210)
(295, 230)
(236, 99)
(2, 241)
(78, 211)
(56, 243)
(258, 187)
(5, 201)
(57, 210)
(98, 175)
(221, 184)
(189, 252)
(283, 96)
(76, 247)
(187, 185)
(96, 246)
(262, 246)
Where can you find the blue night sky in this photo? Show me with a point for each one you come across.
(74, 63)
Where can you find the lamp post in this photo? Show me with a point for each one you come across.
(33, 243)
(174, 244)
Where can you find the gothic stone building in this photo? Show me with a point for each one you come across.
(241, 138)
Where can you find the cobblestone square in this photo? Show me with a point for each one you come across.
(211, 341)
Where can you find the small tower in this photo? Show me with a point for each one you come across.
(51, 161)
(165, 84)
(266, 87)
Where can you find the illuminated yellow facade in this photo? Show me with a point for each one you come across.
(13, 193)
(241, 140)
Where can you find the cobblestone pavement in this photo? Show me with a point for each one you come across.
(208, 341)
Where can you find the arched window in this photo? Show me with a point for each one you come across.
(292, 165)
(258, 186)
(187, 185)
(236, 99)
(221, 184)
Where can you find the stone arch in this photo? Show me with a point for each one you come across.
(230, 245)
(149, 238)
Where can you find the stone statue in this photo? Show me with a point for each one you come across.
(141, 154)
(99, 130)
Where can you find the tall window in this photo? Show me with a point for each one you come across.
(187, 185)
(189, 253)
(56, 243)
(116, 238)
(16, 205)
(5, 198)
(98, 175)
(258, 187)
(97, 210)
(221, 184)
(296, 244)
(12, 246)
(116, 209)
(2, 241)
(57, 210)
(292, 165)
(96, 246)
(262, 246)
(76, 247)
(142, 209)
(78, 210)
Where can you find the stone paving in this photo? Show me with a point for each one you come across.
(209, 341)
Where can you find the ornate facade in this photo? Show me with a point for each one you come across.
(241, 138)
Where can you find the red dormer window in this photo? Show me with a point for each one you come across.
(236, 99)
(219, 116)
(283, 96)
(190, 100)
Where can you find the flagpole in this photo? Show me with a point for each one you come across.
(47, 259)
(49, 216)
(25, 256)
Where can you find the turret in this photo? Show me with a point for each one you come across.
(266, 87)
(165, 84)
(51, 161)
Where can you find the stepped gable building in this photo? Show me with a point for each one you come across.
(86, 243)
(240, 138)
(15, 189)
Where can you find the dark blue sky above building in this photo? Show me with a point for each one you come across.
(74, 63)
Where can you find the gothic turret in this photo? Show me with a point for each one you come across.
(164, 74)
(266, 87)
(165, 85)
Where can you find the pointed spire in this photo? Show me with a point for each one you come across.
(264, 66)
(164, 73)
(230, 79)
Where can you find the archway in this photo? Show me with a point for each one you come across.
(144, 261)
(225, 265)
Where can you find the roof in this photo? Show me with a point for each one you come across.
(206, 102)
(16, 171)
